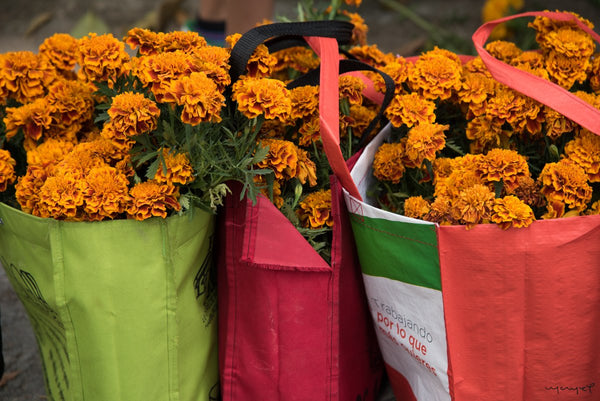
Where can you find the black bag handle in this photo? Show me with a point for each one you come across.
(243, 49)
(349, 65)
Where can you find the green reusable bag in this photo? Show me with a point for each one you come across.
(122, 310)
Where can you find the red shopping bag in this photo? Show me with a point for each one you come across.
(503, 314)
(522, 316)
(291, 326)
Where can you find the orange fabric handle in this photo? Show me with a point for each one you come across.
(535, 87)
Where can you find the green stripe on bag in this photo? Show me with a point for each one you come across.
(400, 251)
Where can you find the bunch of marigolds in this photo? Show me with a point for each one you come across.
(467, 150)
(89, 131)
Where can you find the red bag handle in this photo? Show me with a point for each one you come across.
(542, 90)
(328, 52)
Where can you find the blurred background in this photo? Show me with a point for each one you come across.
(404, 27)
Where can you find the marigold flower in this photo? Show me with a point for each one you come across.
(314, 211)
(306, 169)
(423, 142)
(359, 33)
(261, 63)
(133, 114)
(305, 101)
(531, 58)
(49, 153)
(503, 50)
(102, 58)
(61, 197)
(565, 183)
(350, 88)
(436, 74)
(282, 158)
(371, 54)
(276, 197)
(145, 41)
(528, 190)
(310, 130)
(200, 97)
(397, 70)
(60, 50)
(24, 76)
(502, 165)
(511, 211)
(495, 9)
(543, 26)
(214, 62)
(71, 101)
(410, 109)
(298, 58)
(473, 205)
(475, 89)
(7, 169)
(359, 119)
(455, 175)
(105, 194)
(27, 189)
(186, 41)
(484, 134)
(263, 96)
(150, 199)
(416, 207)
(584, 150)
(387, 163)
(566, 71)
(158, 70)
(33, 118)
(441, 211)
(176, 169)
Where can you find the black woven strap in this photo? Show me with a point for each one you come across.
(243, 49)
(312, 78)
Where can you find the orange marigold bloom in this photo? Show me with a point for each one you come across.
(371, 54)
(7, 169)
(543, 26)
(461, 175)
(484, 134)
(298, 58)
(102, 58)
(475, 89)
(584, 150)
(502, 165)
(61, 197)
(351, 87)
(566, 71)
(33, 118)
(441, 211)
(359, 33)
(531, 58)
(277, 199)
(200, 97)
(397, 70)
(565, 183)
(118, 138)
(387, 163)
(177, 169)
(106, 193)
(305, 101)
(503, 50)
(186, 41)
(416, 207)
(261, 63)
(473, 205)
(150, 199)
(511, 211)
(133, 114)
(436, 75)
(570, 42)
(60, 50)
(146, 41)
(314, 211)
(49, 153)
(505, 105)
(24, 76)
(263, 96)
(355, 3)
(359, 119)
(282, 158)
(214, 62)
(495, 9)
(27, 189)
(423, 142)
(157, 71)
(310, 130)
(410, 109)
(306, 170)
(72, 102)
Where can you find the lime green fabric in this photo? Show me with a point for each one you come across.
(122, 310)
(400, 251)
